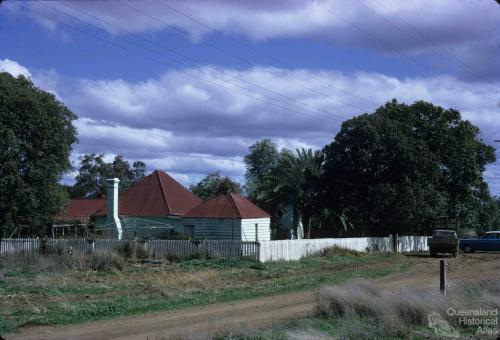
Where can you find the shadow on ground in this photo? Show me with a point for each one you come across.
(428, 256)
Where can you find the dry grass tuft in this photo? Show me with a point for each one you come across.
(306, 334)
(396, 312)
(37, 263)
(134, 250)
(102, 261)
(338, 251)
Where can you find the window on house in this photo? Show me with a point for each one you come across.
(189, 230)
(256, 231)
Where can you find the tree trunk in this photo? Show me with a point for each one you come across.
(295, 223)
(307, 223)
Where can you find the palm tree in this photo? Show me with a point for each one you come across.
(293, 182)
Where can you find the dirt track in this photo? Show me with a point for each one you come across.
(210, 320)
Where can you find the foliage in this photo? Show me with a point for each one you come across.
(36, 134)
(403, 166)
(93, 172)
(487, 215)
(495, 223)
(133, 250)
(287, 183)
(213, 185)
(262, 157)
(293, 181)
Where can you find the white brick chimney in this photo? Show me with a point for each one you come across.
(112, 199)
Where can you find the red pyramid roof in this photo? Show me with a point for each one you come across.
(227, 206)
(157, 194)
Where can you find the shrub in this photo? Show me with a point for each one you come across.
(257, 266)
(338, 251)
(133, 250)
(350, 301)
(104, 261)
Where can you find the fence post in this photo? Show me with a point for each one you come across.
(395, 243)
(257, 250)
(442, 276)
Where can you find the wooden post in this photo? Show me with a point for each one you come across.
(394, 242)
(442, 276)
(257, 251)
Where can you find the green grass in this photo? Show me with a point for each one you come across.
(66, 297)
(338, 328)
(321, 327)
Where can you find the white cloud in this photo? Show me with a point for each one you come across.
(262, 20)
(15, 69)
(193, 134)
(462, 34)
(190, 127)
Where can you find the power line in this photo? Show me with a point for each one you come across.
(327, 115)
(422, 37)
(255, 50)
(170, 64)
(364, 31)
(197, 61)
(250, 62)
(382, 41)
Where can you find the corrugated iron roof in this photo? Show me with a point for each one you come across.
(157, 194)
(82, 208)
(227, 206)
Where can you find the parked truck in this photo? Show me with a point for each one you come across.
(444, 242)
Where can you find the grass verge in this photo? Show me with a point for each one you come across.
(32, 295)
(361, 310)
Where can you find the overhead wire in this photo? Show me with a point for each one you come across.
(384, 42)
(276, 60)
(248, 62)
(418, 37)
(173, 51)
(169, 65)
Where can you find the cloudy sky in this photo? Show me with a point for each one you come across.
(187, 86)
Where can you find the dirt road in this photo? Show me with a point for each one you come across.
(211, 320)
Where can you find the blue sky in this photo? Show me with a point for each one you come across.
(187, 86)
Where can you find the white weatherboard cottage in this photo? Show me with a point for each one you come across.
(158, 207)
(228, 217)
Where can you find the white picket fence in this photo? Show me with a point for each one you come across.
(215, 249)
(412, 243)
(263, 251)
(288, 250)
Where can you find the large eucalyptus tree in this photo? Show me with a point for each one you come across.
(36, 134)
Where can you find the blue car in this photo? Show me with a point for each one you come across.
(490, 241)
